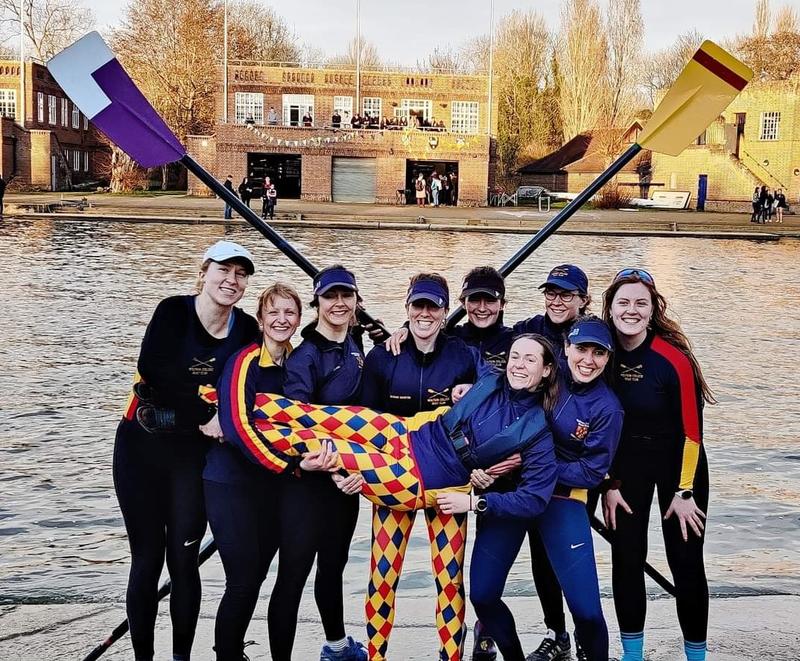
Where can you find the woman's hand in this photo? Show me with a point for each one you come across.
(611, 500)
(481, 479)
(687, 511)
(393, 343)
(212, 429)
(506, 466)
(460, 390)
(350, 485)
(375, 331)
(454, 502)
(325, 459)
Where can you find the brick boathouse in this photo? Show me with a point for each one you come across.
(265, 134)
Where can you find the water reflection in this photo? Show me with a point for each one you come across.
(78, 296)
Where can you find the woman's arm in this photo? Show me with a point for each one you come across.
(599, 449)
(300, 380)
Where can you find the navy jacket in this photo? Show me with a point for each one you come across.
(542, 325)
(247, 373)
(440, 466)
(586, 424)
(492, 343)
(414, 381)
(321, 371)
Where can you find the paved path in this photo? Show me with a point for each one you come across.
(743, 628)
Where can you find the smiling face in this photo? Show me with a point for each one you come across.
(483, 310)
(279, 317)
(562, 306)
(586, 361)
(425, 319)
(224, 282)
(526, 367)
(337, 307)
(631, 309)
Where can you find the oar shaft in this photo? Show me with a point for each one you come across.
(557, 221)
(206, 551)
(651, 571)
(270, 234)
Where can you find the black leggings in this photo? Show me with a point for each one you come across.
(244, 521)
(641, 474)
(316, 520)
(158, 480)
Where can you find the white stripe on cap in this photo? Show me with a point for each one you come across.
(73, 68)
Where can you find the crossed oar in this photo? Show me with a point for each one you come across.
(93, 78)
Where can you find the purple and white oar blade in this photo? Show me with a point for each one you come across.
(96, 82)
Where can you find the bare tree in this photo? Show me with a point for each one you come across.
(444, 59)
(50, 25)
(475, 54)
(786, 20)
(311, 56)
(625, 30)
(256, 32)
(370, 59)
(761, 20)
(583, 66)
(661, 69)
(772, 51)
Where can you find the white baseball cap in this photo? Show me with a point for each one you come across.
(223, 251)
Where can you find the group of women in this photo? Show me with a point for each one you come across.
(227, 423)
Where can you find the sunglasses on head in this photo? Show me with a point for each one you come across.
(643, 275)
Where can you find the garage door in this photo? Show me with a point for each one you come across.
(353, 179)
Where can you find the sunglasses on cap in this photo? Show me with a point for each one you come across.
(643, 275)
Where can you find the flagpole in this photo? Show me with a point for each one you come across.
(358, 58)
(491, 67)
(225, 63)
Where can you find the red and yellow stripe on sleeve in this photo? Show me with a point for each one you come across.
(133, 401)
(241, 412)
(690, 412)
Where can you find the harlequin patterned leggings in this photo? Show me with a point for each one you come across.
(377, 445)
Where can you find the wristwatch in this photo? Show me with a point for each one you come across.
(481, 505)
(686, 494)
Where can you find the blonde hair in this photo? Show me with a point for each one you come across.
(198, 284)
(278, 290)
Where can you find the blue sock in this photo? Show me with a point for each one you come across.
(694, 651)
(632, 646)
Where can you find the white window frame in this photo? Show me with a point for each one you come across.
(76, 117)
(373, 105)
(64, 112)
(249, 105)
(769, 126)
(407, 105)
(8, 103)
(85, 123)
(40, 106)
(303, 103)
(464, 116)
(344, 104)
(76, 160)
(86, 161)
(52, 109)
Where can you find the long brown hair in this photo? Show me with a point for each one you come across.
(549, 383)
(662, 325)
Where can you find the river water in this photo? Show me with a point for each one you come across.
(79, 294)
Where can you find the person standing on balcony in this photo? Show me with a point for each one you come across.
(272, 116)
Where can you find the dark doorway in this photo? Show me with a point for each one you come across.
(449, 168)
(283, 170)
(702, 191)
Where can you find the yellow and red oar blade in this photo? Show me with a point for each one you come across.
(707, 85)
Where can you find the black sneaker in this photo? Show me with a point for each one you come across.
(580, 654)
(550, 649)
(484, 648)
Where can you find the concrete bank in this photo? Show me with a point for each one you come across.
(524, 220)
(741, 629)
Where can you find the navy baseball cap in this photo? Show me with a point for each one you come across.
(484, 283)
(591, 330)
(568, 277)
(429, 290)
(336, 277)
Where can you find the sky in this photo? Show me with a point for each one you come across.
(407, 30)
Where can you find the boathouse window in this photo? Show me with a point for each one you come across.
(85, 123)
(373, 105)
(412, 109)
(76, 117)
(343, 104)
(52, 109)
(464, 116)
(40, 106)
(8, 103)
(249, 105)
(295, 106)
(86, 161)
(770, 123)
(64, 112)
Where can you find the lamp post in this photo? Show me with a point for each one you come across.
(21, 104)
(491, 67)
(225, 63)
